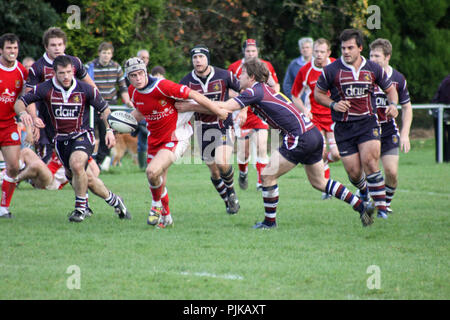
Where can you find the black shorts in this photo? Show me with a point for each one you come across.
(305, 149)
(390, 139)
(212, 136)
(350, 134)
(65, 148)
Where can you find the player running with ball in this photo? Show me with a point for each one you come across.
(169, 131)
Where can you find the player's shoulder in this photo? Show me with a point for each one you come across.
(397, 75)
(221, 73)
(186, 78)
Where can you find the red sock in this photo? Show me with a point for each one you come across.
(165, 202)
(326, 171)
(259, 168)
(157, 191)
(8, 188)
(243, 167)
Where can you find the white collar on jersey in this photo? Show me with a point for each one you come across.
(65, 93)
(204, 85)
(351, 67)
(5, 68)
(46, 58)
(149, 88)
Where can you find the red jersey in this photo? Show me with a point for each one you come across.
(12, 81)
(306, 78)
(156, 103)
(236, 68)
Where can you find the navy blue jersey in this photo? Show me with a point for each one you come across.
(215, 87)
(42, 70)
(68, 110)
(276, 109)
(356, 86)
(380, 99)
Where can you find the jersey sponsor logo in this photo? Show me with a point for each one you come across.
(8, 97)
(155, 115)
(381, 101)
(356, 91)
(15, 136)
(66, 112)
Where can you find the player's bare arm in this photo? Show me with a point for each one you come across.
(300, 106)
(201, 99)
(138, 115)
(241, 118)
(407, 116)
(21, 111)
(110, 140)
(392, 96)
(191, 105)
(230, 105)
(322, 98)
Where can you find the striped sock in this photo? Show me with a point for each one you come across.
(221, 188)
(227, 178)
(338, 190)
(112, 199)
(375, 184)
(80, 203)
(270, 198)
(361, 184)
(390, 191)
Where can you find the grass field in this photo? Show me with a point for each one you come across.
(319, 251)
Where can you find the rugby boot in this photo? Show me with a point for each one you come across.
(121, 210)
(233, 203)
(76, 216)
(154, 216)
(243, 180)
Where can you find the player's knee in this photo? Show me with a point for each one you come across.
(153, 173)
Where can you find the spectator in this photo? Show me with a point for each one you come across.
(305, 46)
(443, 96)
(28, 62)
(158, 72)
(107, 75)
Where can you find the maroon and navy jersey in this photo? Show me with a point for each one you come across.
(276, 109)
(356, 86)
(42, 70)
(380, 99)
(12, 81)
(68, 110)
(215, 87)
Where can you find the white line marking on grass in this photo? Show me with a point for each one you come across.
(212, 275)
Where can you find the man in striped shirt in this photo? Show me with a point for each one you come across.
(108, 76)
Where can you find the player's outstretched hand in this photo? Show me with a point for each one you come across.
(110, 139)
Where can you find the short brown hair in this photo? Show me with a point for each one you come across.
(322, 41)
(10, 37)
(53, 32)
(383, 44)
(106, 46)
(356, 34)
(258, 69)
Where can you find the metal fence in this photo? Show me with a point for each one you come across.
(439, 107)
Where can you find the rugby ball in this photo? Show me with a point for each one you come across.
(122, 121)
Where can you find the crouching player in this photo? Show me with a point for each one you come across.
(169, 131)
(302, 143)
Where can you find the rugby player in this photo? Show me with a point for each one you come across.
(321, 116)
(215, 137)
(12, 75)
(351, 81)
(391, 138)
(67, 102)
(169, 131)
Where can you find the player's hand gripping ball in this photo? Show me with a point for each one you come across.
(122, 121)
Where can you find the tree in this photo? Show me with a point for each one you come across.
(28, 25)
